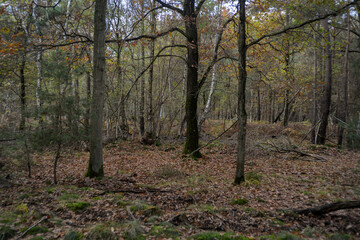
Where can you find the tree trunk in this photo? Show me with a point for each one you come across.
(240, 175)
(150, 119)
(95, 168)
(258, 115)
(142, 79)
(192, 86)
(344, 108)
(314, 112)
(23, 92)
(326, 101)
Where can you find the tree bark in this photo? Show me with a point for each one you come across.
(192, 86)
(150, 119)
(326, 101)
(314, 110)
(344, 108)
(95, 168)
(242, 116)
(327, 208)
(142, 79)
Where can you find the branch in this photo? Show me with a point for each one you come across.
(333, 13)
(171, 7)
(147, 36)
(327, 208)
(198, 8)
(211, 65)
(152, 62)
(34, 225)
(214, 139)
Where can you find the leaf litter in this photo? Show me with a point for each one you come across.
(193, 196)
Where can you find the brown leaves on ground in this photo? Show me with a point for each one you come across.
(156, 184)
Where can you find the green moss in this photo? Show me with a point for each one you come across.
(78, 206)
(145, 209)
(101, 232)
(21, 208)
(37, 238)
(50, 190)
(72, 235)
(217, 236)
(68, 196)
(165, 230)
(35, 230)
(339, 236)
(91, 174)
(253, 178)
(281, 236)
(239, 201)
(7, 232)
(7, 217)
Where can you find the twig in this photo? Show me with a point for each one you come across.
(313, 127)
(34, 225)
(130, 213)
(212, 140)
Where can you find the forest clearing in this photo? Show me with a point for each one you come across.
(179, 119)
(154, 192)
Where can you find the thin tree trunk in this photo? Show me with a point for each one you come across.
(258, 115)
(242, 116)
(88, 96)
(95, 168)
(23, 92)
(344, 111)
(314, 112)
(150, 118)
(142, 79)
(326, 101)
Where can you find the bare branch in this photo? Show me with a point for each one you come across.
(285, 30)
(170, 7)
(198, 8)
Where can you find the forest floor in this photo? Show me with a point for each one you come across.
(153, 192)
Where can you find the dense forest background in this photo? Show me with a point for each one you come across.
(183, 80)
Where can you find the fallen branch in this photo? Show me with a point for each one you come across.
(34, 225)
(327, 208)
(137, 191)
(295, 149)
(130, 213)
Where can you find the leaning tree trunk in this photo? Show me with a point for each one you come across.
(192, 133)
(95, 168)
(326, 101)
(240, 176)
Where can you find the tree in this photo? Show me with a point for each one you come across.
(326, 101)
(95, 168)
(242, 116)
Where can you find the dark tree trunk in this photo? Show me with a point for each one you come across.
(150, 118)
(22, 92)
(344, 107)
(88, 96)
(95, 168)
(314, 112)
(242, 116)
(142, 79)
(192, 90)
(258, 115)
(326, 101)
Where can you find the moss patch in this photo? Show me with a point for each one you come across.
(73, 236)
(239, 201)
(78, 206)
(217, 236)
